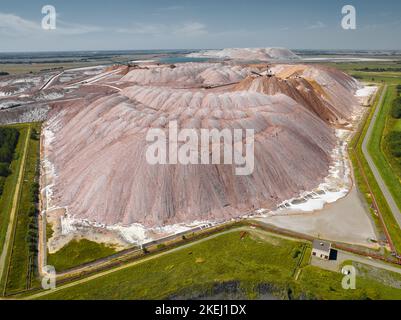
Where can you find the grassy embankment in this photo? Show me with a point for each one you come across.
(255, 261)
(391, 142)
(384, 158)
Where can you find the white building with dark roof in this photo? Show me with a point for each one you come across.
(321, 249)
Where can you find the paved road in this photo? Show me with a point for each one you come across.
(345, 256)
(87, 81)
(342, 256)
(386, 192)
(94, 79)
(48, 83)
(13, 213)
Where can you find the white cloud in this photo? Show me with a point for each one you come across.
(167, 10)
(172, 8)
(16, 26)
(143, 29)
(13, 25)
(185, 29)
(317, 25)
(191, 29)
(66, 28)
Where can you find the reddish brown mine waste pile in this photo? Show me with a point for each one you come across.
(95, 145)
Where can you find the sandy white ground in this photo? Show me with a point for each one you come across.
(346, 220)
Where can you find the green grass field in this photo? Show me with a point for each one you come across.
(352, 68)
(22, 259)
(79, 252)
(258, 260)
(392, 125)
(252, 260)
(321, 284)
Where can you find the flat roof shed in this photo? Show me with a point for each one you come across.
(321, 245)
(321, 249)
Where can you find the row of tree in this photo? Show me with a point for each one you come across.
(396, 108)
(33, 212)
(366, 69)
(394, 142)
(394, 138)
(8, 142)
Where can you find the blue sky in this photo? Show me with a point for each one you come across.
(183, 24)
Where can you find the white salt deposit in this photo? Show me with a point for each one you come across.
(48, 170)
(134, 234)
(51, 96)
(335, 186)
(7, 104)
(262, 54)
(67, 225)
(366, 91)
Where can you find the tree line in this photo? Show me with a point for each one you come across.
(32, 236)
(396, 108)
(8, 142)
(366, 69)
(394, 138)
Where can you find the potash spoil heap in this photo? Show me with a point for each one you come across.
(98, 150)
